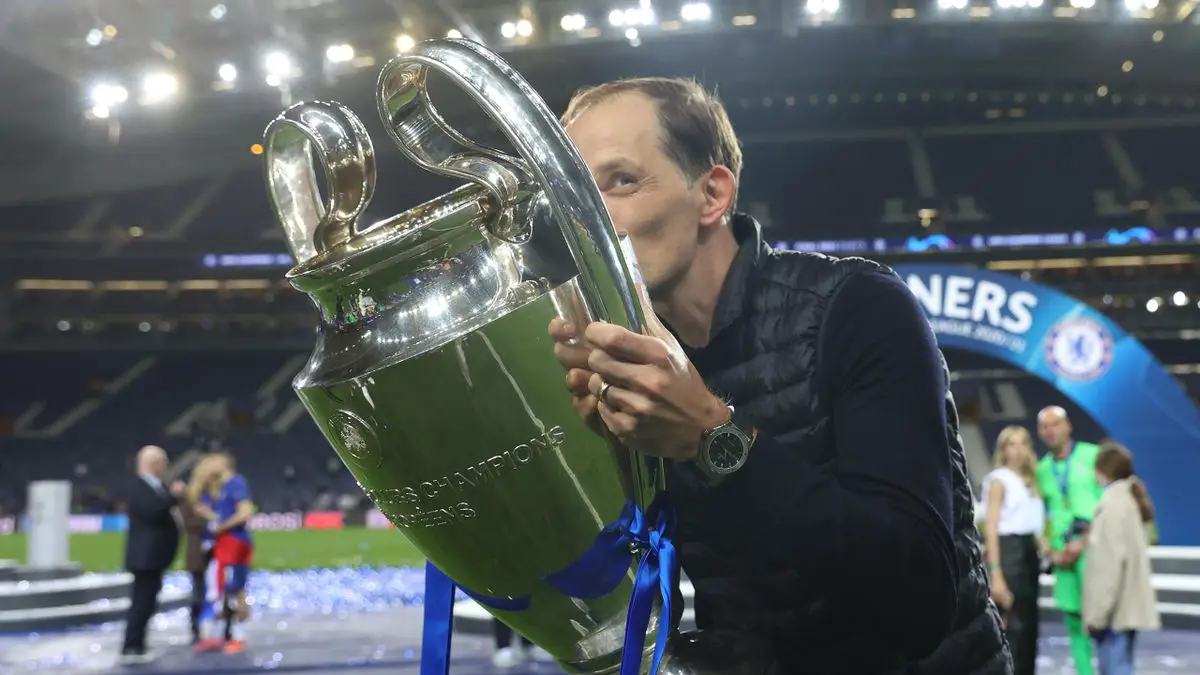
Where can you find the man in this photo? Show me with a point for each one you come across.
(1067, 478)
(233, 553)
(150, 546)
(834, 516)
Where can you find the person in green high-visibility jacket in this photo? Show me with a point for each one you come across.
(1067, 479)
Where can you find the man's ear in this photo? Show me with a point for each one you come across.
(718, 187)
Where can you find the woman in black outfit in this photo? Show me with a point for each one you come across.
(1015, 520)
(197, 516)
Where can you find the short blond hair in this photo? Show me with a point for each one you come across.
(697, 133)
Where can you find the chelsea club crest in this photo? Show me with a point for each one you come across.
(1079, 348)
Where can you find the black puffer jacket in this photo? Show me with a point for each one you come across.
(767, 329)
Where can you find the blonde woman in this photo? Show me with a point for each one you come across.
(198, 544)
(1118, 596)
(1016, 516)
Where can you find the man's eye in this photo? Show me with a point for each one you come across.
(621, 180)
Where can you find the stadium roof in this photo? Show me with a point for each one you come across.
(108, 86)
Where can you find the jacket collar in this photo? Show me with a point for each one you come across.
(739, 282)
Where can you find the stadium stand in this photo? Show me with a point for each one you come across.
(1001, 179)
(91, 411)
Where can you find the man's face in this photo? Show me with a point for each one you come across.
(157, 465)
(646, 193)
(152, 461)
(1054, 430)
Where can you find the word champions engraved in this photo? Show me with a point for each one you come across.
(408, 508)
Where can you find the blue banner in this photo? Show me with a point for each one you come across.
(934, 243)
(1087, 357)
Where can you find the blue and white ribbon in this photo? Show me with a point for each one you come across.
(594, 574)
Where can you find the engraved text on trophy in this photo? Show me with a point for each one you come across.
(412, 506)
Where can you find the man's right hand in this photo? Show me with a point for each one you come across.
(573, 353)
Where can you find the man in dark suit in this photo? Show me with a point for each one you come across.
(150, 547)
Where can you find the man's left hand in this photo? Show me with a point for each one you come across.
(655, 402)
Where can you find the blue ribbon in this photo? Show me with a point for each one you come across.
(601, 568)
(594, 574)
(438, 625)
(439, 622)
(659, 567)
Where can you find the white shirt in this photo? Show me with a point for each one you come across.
(1021, 512)
(156, 483)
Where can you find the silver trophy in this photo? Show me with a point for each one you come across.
(434, 376)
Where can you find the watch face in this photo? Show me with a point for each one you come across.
(726, 451)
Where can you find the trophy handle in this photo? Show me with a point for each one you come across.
(432, 144)
(547, 155)
(343, 150)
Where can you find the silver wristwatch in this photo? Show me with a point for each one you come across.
(723, 450)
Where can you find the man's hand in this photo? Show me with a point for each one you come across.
(178, 488)
(572, 352)
(653, 399)
(656, 401)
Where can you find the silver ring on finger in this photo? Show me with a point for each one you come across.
(603, 394)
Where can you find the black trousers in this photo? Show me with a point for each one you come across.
(1021, 565)
(199, 591)
(143, 604)
(504, 635)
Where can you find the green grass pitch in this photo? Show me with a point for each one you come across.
(299, 549)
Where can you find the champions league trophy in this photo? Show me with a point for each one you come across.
(434, 376)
